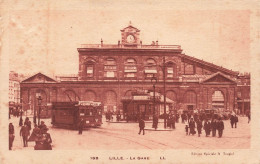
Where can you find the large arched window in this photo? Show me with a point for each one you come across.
(171, 95)
(130, 68)
(110, 68)
(90, 95)
(70, 95)
(218, 100)
(150, 68)
(190, 99)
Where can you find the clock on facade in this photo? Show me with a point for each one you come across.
(130, 38)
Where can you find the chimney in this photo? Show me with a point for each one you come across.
(156, 42)
(101, 42)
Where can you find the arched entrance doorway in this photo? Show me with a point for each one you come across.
(218, 101)
(110, 101)
(190, 100)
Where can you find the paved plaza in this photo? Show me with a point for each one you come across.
(122, 136)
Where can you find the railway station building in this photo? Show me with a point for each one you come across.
(110, 73)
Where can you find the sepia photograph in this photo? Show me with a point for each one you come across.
(149, 82)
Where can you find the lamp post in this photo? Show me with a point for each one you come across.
(164, 91)
(164, 66)
(154, 81)
(38, 95)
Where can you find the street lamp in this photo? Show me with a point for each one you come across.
(38, 95)
(154, 81)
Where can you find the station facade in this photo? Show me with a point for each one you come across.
(109, 73)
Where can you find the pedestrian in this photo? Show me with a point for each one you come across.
(81, 126)
(232, 120)
(195, 117)
(155, 121)
(47, 139)
(213, 127)
(21, 121)
(42, 125)
(28, 123)
(141, 126)
(185, 117)
(24, 132)
(168, 118)
(11, 135)
(182, 118)
(187, 129)
(199, 127)
(118, 116)
(207, 127)
(36, 132)
(235, 120)
(189, 116)
(177, 118)
(172, 121)
(106, 114)
(220, 127)
(192, 126)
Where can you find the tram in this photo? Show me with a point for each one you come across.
(69, 114)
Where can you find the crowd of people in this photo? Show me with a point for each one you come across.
(195, 123)
(39, 135)
(209, 126)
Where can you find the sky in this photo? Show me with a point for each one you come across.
(45, 39)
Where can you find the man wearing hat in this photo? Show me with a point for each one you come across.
(199, 126)
(141, 125)
(192, 126)
(24, 132)
(47, 139)
(220, 127)
(42, 125)
(207, 127)
(81, 126)
(11, 135)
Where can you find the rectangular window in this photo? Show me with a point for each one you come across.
(150, 71)
(169, 72)
(110, 74)
(130, 75)
(90, 71)
(110, 71)
(149, 75)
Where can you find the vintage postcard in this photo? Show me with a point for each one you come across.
(129, 81)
